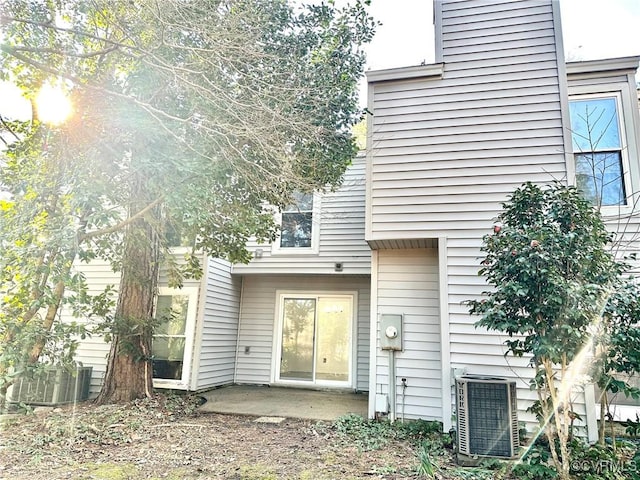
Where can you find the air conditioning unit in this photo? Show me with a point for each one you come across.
(56, 386)
(487, 417)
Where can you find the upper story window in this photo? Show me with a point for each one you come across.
(299, 226)
(599, 150)
(297, 222)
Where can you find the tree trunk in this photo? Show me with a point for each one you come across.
(129, 369)
(604, 405)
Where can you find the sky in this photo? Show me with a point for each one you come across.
(592, 29)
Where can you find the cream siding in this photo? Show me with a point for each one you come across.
(215, 352)
(257, 321)
(445, 152)
(341, 239)
(93, 350)
(407, 283)
(464, 120)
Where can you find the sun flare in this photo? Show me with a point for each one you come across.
(53, 105)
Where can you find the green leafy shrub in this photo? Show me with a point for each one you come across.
(631, 427)
(535, 464)
(374, 434)
(603, 462)
(559, 294)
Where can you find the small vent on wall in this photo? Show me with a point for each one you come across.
(487, 417)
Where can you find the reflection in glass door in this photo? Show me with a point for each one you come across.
(333, 339)
(316, 339)
(169, 337)
(297, 339)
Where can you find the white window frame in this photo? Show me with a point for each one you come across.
(281, 295)
(189, 333)
(627, 140)
(276, 249)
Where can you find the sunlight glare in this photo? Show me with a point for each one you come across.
(53, 105)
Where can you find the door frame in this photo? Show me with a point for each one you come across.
(277, 339)
(189, 333)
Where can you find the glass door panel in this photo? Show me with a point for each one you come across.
(169, 336)
(296, 360)
(168, 357)
(333, 339)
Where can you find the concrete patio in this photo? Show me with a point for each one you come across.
(283, 402)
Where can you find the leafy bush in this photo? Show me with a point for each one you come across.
(632, 428)
(603, 462)
(559, 294)
(373, 434)
(535, 464)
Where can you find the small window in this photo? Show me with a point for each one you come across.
(175, 312)
(296, 230)
(598, 150)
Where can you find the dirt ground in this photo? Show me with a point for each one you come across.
(165, 439)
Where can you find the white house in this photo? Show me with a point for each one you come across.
(396, 249)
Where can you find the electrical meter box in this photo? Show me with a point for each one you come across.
(390, 332)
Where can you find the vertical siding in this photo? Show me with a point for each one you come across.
(218, 330)
(257, 321)
(445, 152)
(341, 238)
(407, 283)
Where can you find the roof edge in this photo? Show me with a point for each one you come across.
(604, 65)
(405, 73)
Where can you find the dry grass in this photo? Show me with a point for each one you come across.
(165, 438)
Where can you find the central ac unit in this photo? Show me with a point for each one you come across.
(487, 417)
(54, 387)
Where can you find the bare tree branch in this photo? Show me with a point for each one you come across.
(120, 225)
(9, 129)
(65, 53)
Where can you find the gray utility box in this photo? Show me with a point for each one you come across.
(56, 386)
(390, 332)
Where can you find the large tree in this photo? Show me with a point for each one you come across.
(190, 116)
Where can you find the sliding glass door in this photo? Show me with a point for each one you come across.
(315, 339)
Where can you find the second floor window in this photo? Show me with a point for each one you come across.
(297, 222)
(598, 150)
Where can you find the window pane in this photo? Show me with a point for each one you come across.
(175, 237)
(594, 125)
(296, 361)
(333, 339)
(168, 357)
(303, 203)
(296, 230)
(172, 312)
(599, 177)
